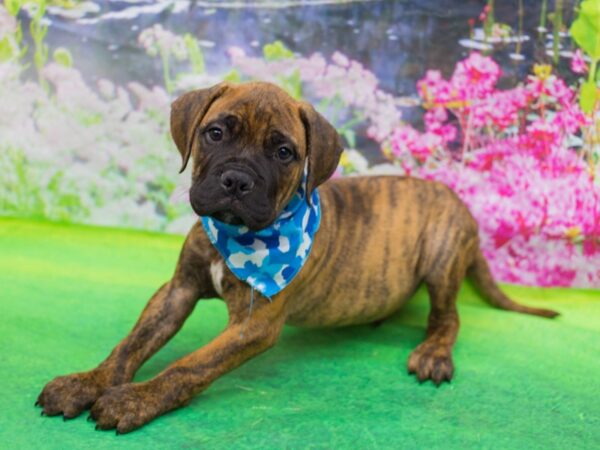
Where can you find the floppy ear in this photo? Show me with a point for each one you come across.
(187, 113)
(323, 147)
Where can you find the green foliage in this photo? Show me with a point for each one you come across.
(543, 13)
(488, 25)
(350, 137)
(27, 192)
(557, 24)
(38, 31)
(13, 6)
(586, 33)
(233, 76)
(292, 84)
(586, 28)
(11, 47)
(166, 66)
(195, 54)
(63, 57)
(8, 49)
(276, 51)
(588, 96)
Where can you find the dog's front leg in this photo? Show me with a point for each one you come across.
(249, 333)
(162, 317)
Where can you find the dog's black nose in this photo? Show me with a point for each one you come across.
(235, 182)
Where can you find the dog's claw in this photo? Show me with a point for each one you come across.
(97, 427)
(117, 432)
(42, 413)
(37, 403)
(90, 418)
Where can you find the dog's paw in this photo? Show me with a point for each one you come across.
(431, 362)
(125, 407)
(70, 395)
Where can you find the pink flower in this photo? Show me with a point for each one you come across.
(403, 138)
(433, 89)
(340, 59)
(475, 76)
(484, 13)
(552, 87)
(236, 52)
(578, 64)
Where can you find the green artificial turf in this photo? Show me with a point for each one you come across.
(68, 294)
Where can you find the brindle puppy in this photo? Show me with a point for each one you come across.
(379, 239)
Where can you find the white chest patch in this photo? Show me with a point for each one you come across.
(216, 274)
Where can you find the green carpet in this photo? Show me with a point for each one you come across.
(68, 294)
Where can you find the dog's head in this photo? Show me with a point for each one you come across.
(249, 144)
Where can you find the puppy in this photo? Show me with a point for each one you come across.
(277, 251)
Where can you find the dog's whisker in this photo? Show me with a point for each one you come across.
(180, 194)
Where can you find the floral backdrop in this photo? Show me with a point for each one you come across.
(517, 141)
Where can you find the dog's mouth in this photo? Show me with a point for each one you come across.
(237, 213)
(229, 217)
(254, 212)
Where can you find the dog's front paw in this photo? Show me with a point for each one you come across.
(431, 361)
(70, 395)
(125, 407)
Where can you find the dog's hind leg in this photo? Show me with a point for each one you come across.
(432, 359)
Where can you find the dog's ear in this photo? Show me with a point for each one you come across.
(323, 147)
(187, 113)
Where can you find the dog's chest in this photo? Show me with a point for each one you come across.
(217, 271)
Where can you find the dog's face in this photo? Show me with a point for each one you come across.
(249, 144)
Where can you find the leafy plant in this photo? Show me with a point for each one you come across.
(11, 42)
(160, 42)
(543, 13)
(63, 57)
(292, 83)
(10, 45)
(557, 24)
(277, 51)
(38, 32)
(586, 33)
(195, 54)
(28, 192)
(489, 20)
(521, 168)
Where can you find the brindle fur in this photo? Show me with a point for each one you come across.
(379, 239)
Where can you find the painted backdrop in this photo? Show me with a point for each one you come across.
(499, 101)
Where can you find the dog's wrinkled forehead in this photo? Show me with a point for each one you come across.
(259, 112)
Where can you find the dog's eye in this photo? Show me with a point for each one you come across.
(215, 134)
(284, 154)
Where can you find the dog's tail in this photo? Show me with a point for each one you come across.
(480, 273)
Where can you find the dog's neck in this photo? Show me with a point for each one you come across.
(268, 259)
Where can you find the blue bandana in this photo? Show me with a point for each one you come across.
(269, 259)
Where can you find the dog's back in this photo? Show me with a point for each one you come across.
(402, 229)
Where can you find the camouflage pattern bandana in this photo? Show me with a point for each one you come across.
(269, 259)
